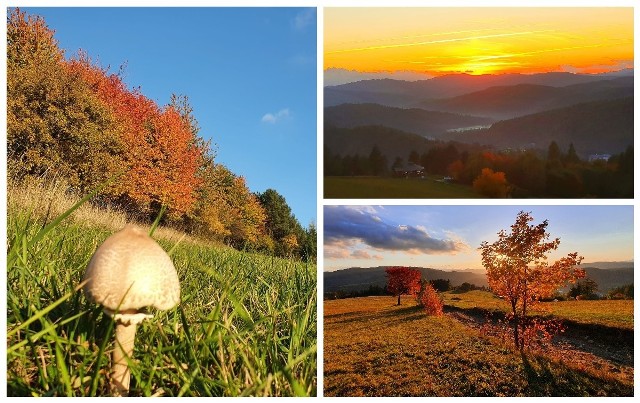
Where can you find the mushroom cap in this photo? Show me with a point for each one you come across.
(130, 271)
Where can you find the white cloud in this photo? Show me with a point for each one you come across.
(274, 118)
(304, 18)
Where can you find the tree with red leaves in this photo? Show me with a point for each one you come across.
(403, 280)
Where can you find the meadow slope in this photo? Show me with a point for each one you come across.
(246, 324)
(373, 347)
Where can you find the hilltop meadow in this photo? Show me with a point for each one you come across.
(373, 347)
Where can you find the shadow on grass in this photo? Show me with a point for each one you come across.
(408, 313)
(548, 378)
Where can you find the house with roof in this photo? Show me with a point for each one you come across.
(408, 170)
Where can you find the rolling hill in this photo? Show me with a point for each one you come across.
(400, 93)
(505, 102)
(360, 140)
(418, 121)
(603, 127)
(358, 278)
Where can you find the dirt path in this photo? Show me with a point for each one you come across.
(611, 354)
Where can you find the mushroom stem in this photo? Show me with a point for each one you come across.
(123, 351)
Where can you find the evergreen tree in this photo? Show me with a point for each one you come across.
(377, 161)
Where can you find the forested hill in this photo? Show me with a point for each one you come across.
(357, 278)
(505, 102)
(419, 121)
(400, 93)
(603, 127)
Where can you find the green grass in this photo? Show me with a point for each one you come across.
(246, 324)
(611, 313)
(368, 187)
(373, 347)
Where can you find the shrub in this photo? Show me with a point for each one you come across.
(429, 299)
(622, 292)
(491, 184)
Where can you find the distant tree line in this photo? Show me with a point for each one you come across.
(587, 289)
(519, 174)
(72, 119)
(439, 285)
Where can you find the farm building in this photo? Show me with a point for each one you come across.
(409, 170)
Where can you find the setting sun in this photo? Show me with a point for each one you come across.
(436, 41)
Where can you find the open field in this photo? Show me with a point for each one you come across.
(371, 187)
(373, 347)
(611, 313)
(246, 324)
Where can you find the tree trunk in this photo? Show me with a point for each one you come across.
(516, 336)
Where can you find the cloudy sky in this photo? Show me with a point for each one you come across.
(448, 237)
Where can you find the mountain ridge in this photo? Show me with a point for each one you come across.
(360, 278)
(400, 93)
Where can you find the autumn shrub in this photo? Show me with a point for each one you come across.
(492, 184)
(429, 299)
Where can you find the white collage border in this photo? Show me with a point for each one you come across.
(321, 202)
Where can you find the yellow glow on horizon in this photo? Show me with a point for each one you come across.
(478, 40)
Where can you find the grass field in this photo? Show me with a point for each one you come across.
(612, 313)
(246, 324)
(371, 187)
(373, 347)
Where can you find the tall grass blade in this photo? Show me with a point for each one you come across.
(44, 311)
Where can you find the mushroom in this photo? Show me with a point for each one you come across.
(127, 273)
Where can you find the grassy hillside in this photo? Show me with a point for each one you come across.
(373, 347)
(392, 188)
(246, 324)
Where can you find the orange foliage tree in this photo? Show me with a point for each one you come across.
(56, 124)
(455, 169)
(518, 271)
(161, 154)
(403, 280)
(226, 209)
(491, 184)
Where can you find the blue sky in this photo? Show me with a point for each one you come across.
(249, 73)
(447, 237)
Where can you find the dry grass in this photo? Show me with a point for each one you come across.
(374, 348)
(47, 198)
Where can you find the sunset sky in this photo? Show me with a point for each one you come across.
(448, 237)
(436, 41)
